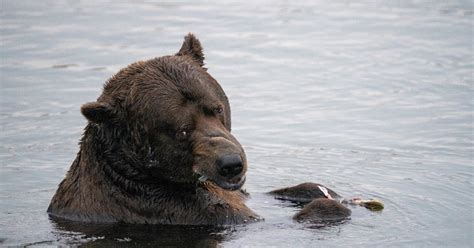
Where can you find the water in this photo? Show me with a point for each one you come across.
(372, 99)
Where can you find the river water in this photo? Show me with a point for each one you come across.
(371, 98)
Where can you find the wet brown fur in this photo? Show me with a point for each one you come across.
(304, 192)
(157, 128)
(318, 207)
(322, 209)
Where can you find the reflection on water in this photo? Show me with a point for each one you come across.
(71, 233)
(372, 99)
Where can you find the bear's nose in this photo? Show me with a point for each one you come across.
(229, 165)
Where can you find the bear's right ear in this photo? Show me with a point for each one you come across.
(192, 47)
(97, 112)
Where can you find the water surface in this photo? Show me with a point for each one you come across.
(372, 99)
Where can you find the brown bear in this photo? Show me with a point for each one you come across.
(158, 149)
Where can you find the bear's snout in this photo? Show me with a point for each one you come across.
(230, 166)
(221, 160)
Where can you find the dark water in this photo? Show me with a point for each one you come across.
(373, 99)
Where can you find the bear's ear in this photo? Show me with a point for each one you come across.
(192, 47)
(97, 112)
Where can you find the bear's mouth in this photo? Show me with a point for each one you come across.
(232, 184)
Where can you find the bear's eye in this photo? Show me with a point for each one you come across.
(182, 134)
(219, 110)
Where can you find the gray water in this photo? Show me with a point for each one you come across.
(373, 99)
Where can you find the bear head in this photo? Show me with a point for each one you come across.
(166, 120)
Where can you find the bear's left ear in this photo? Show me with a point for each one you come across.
(192, 47)
(97, 112)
